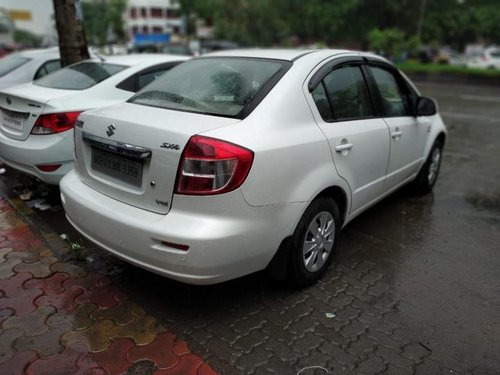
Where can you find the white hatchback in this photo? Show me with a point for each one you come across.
(244, 160)
(37, 118)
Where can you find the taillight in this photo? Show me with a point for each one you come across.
(211, 166)
(55, 122)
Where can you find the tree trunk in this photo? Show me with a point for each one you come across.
(72, 41)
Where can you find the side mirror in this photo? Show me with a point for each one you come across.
(426, 106)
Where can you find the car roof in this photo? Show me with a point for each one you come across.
(290, 54)
(141, 58)
(40, 53)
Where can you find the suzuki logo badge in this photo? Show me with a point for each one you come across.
(111, 130)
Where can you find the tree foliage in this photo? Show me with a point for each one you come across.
(103, 19)
(268, 22)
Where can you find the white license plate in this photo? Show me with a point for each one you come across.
(123, 168)
(12, 121)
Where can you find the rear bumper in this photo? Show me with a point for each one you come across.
(227, 238)
(41, 149)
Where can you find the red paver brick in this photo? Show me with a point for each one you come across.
(4, 252)
(30, 255)
(22, 301)
(51, 285)
(62, 364)
(47, 344)
(114, 359)
(32, 324)
(7, 268)
(14, 285)
(159, 351)
(74, 270)
(104, 297)
(181, 348)
(89, 283)
(7, 338)
(18, 363)
(40, 269)
(4, 314)
(62, 302)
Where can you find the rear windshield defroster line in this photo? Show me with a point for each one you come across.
(218, 86)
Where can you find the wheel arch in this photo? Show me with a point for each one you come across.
(339, 196)
(279, 264)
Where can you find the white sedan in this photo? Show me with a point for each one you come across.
(26, 66)
(244, 160)
(37, 119)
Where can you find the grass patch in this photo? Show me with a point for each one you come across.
(443, 68)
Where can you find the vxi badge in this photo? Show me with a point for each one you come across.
(170, 146)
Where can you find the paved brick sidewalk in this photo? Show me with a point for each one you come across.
(56, 318)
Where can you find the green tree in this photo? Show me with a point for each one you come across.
(100, 17)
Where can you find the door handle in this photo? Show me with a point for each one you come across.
(343, 147)
(396, 134)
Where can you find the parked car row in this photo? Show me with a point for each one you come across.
(226, 164)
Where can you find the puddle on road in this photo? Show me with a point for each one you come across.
(482, 201)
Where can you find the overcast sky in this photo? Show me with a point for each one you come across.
(41, 14)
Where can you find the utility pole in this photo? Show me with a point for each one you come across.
(69, 24)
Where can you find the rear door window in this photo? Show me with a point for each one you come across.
(79, 76)
(343, 95)
(47, 68)
(143, 78)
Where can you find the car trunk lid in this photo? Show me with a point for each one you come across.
(131, 152)
(21, 106)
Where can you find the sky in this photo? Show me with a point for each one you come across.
(41, 15)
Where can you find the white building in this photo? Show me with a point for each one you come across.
(36, 16)
(144, 18)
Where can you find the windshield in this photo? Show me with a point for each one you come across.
(9, 63)
(216, 86)
(79, 76)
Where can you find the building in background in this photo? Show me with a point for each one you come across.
(34, 16)
(153, 21)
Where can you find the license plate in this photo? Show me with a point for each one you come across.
(12, 120)
(120, 167)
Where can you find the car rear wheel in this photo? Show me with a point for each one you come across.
(428, 175)
(314, 241)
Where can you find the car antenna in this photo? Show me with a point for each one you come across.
(100, 57)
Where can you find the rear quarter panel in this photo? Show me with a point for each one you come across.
(292, 162)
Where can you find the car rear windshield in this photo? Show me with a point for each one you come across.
(222, 86)
(79, 76)
(10, 63)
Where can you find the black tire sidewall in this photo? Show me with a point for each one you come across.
(422, 185)
(299, 274)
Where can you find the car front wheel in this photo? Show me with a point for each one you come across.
(314, 241)
(428, 175)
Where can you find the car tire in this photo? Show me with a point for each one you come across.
(314, 242)
(429, 172)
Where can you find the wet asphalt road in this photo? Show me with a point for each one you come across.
(414, 288)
